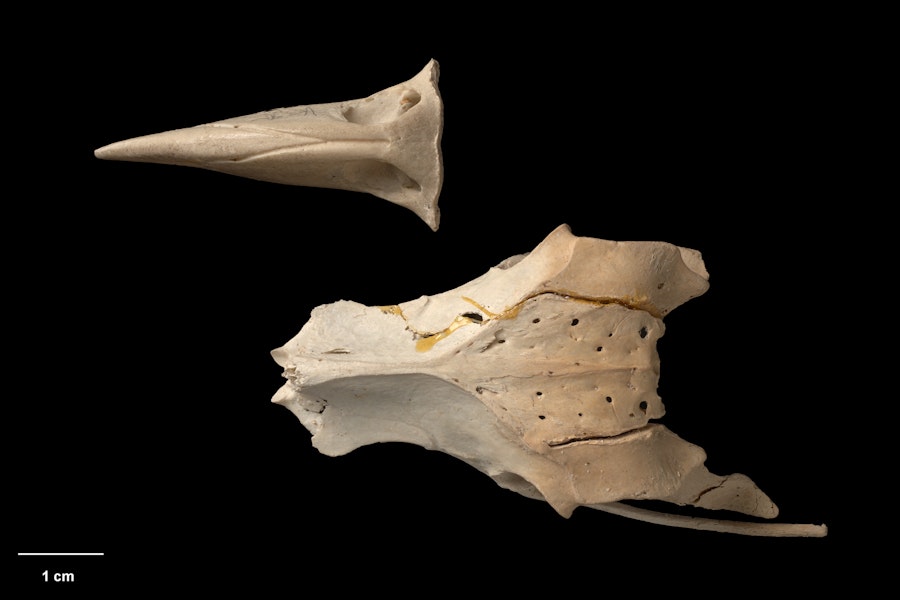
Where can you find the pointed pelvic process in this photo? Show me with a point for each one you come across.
(541, 373)
(388, 145)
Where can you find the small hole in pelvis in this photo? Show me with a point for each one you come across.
(409, 99)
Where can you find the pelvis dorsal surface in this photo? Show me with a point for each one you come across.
(387, 144)
(542, 373)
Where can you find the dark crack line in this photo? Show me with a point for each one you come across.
(601, 438)
(707, 490)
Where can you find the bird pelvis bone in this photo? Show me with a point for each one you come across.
(541, 373)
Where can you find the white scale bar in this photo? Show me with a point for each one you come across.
(60, 553)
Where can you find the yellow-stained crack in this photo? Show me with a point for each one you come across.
(424, 344)
(392, 310)
(426, 340)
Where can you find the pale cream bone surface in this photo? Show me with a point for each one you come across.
(541, 373)
(388, 145)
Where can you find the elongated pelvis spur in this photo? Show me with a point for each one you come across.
(542, 373)
(387, 144)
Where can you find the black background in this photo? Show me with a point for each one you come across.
(144, 299)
